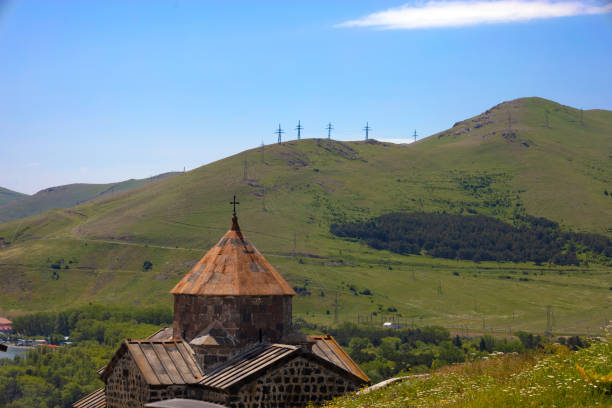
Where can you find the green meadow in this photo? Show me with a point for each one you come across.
(290, 194)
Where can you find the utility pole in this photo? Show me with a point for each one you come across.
(549, 318)
(329, 129)
(246, 164)
(367, 129)
(336, 309)
(279, 132)
(263, 158)
(264, 199)
(299, 128)
(415, 135)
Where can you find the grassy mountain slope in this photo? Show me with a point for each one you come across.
(7, 196)
(550, 379)
(66, 196)
(293, 192)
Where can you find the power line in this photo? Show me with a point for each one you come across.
(246, 165)
(279, 132)
(299, 129)
(336, 309)
(329, 129)
(263, 157)
(549, 320)
(367, 129)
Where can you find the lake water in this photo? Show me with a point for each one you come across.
(13, 351)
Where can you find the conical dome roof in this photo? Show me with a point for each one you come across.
(233, 267)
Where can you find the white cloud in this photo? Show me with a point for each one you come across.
(435, 14)
(397, 141)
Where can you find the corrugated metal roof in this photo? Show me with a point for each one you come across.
(233, 267)
(214, 335)
(160, 362)
(165, 362)
(96, 399)
(326, 347)
(164, 334)
(247, 364)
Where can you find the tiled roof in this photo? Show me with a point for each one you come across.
(96, 399)
(160, 362)
(233, 267)
(243, 366)
(326, 347)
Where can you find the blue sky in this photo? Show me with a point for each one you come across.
(101, 91)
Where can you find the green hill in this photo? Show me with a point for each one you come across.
(294, 191)
(6, 196)
(555, 378)
(65, 196)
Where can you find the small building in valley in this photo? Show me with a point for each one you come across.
(6, 326)
(232, 343)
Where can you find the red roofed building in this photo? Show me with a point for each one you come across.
(6, 325)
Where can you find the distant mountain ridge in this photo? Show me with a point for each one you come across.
(526, 157)
(6, 195)
(19, 205)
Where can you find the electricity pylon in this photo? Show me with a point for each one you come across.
(299, 128)
(367, 129)
(279, 132)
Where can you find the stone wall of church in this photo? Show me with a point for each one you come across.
(294, 384)
(211, 356)
(125, 386)
(168, 392)
(242, 316)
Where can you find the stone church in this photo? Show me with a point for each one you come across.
(231, 343)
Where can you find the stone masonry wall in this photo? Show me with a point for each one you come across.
(242, 316)
(125, 386)
(168, 392)
(211, 356)
(294, 384)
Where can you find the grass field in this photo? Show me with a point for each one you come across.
(552, 379)
(294, 191)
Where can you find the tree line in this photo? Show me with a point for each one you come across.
(56, 377)
(383, 353)
(65, 322)
(476, 237)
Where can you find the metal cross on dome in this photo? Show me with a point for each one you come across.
(234, 203)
